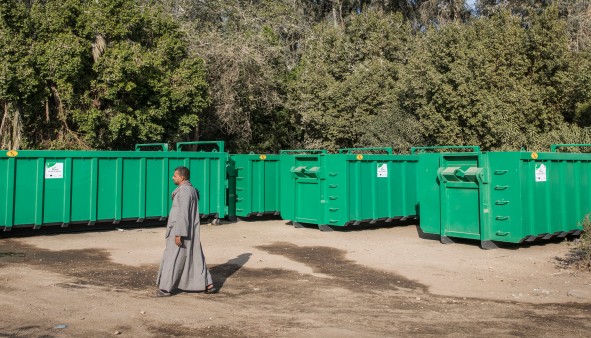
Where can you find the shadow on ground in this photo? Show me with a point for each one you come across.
(222, 272)
(345, 272)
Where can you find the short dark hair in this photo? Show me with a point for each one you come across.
(184, 172)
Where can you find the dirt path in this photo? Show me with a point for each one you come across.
(279, 281)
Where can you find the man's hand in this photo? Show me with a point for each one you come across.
(178, 240)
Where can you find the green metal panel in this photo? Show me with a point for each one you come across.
(380, 187)
(24, 189)
(429, 194)
(10, 195)
(4, 191)
(347, 188)
(82, 196)
(157, 204)
(269, 172)
(460, 198)
(297, 184)
(504, 196)
(552, 194)
(130, 198)
(255, 184)
(309, 195)
(107, 189)
(208, 175)
(451, 202)
(61, 187)
(307, 210)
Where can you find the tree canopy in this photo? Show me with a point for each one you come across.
(95, 74)
(271, 75)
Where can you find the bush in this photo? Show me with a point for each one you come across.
(584, 246)
(580, 255)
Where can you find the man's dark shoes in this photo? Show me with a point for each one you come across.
(162, 293)
(210, 289)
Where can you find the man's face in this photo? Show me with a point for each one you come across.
(177, 179)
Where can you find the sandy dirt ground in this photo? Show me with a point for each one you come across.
(279, 281)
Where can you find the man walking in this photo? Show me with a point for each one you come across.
(183, 264)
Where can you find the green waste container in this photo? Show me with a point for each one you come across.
(353, 187)
(39, 188)
(511, 197)
(208, 174)
(254, 185)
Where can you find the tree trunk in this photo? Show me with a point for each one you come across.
(334, 15)
(4, 118)
(10, 131)
(15, 141)
(196, 133)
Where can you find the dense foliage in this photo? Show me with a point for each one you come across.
(582, 252)
(266, 75)
(95, 74)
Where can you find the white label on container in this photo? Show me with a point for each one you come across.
(540, 172)
(383, 170)
(54, 170)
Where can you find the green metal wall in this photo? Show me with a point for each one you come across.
(254, 184)
(525, 206)
(503, 196)
(346, 188)
(301, 167)
(62, 187)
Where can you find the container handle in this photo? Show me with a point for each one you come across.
(413, 150)
(388, 150)
(554, 147)
(219, 144)
(304, 151)
(164, 146)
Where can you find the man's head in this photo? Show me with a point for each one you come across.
(181, 174)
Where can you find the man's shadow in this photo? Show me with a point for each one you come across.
(220, 273)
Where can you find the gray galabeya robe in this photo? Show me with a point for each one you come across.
(184, 267)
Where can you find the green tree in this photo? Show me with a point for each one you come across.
(249, 49)
(441, 12)
(19, 84)
(494, 82)
(252, 49)
(104, 74)
(347, 82)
